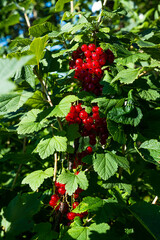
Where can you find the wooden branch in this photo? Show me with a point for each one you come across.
(27, 20)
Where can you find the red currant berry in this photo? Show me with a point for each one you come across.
(88, 127)
(98, 71)
(95, 56)
(99, 50)
(89, 149)
(102, 61)
(84, 121)
(92, 141)
(92, 47)
(95, 109)
(75, 204)
(79, 190)
(92, 136)
(84, 66)
(71, 215)
(76, 173)
(90, 120)
(84, 47)
(91, 87)
(78, 108)
(61, 185)
(95, 64)
(88, 59)
(78, 120)
(103, 141)
(83, 114)
(76, 195)
(61, 191)
(57, 184)
(88, 53)
(79, 62)
(96, 115)
(52, 203)
(54, 198)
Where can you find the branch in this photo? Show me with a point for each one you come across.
(155, 200)
(55, 167)
(27, 20)
(47, 96)
(100, 16)
(72, 6)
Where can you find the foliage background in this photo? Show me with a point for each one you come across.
(119, 201)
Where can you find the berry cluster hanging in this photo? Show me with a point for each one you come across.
(88, 62)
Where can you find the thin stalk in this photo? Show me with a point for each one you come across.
(27, 20)
(55, 167)
(103, 5)
(155, 200)
(71, 6)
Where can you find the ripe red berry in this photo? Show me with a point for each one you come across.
(76, 173)
(95, 64)
(88, 53)
(96, 115)
(95, 109)
(89, 149)
(98, 71)
(79, 190)
(75, 204)
(88, 126)
(78, 120)
(52, 203)
(76, 195)
(79, 62)
(95, 56)
(71, 215)
(61, 191)
(89, 120)
(102, 61)
(57, 184)
(103, 141)
(83, 114)
(99, 50)
(92, 47)
(84, 47)
(88, 59)
(61, 185)
(54, 198)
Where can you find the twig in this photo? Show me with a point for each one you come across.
(48, 96)
(143, 73)
(20, 166)
(72, 6)
(55, 167)
(27, 20)
(155, 200)
(100, 16)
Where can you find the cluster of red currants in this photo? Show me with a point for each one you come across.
(55, 200)
(88, 62)
(77, 160)
(90, 125)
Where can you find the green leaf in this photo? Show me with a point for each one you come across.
(117, 132)
(90, 204)
(132, 59)
(88, 233)
(122, 115)
(152, 148)
(37, 47)
(13, 101)
(29, 76)
(149, 95)
(60, 5)
(105, 165)
(13, 65)
(73, 132)
(10, 21)
(40, 29)
(44, 231)
(148, 216)
(30, 122)
(127, 76)
(36, 178)
(19, 213)
(62, 109)
(47, 147)
(37, 100)
(72, 181)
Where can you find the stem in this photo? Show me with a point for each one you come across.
(27, 20)
(20, 166)
(48, 97)
(71, 6)
(155, 200)
(100, 16)
(55, 167)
